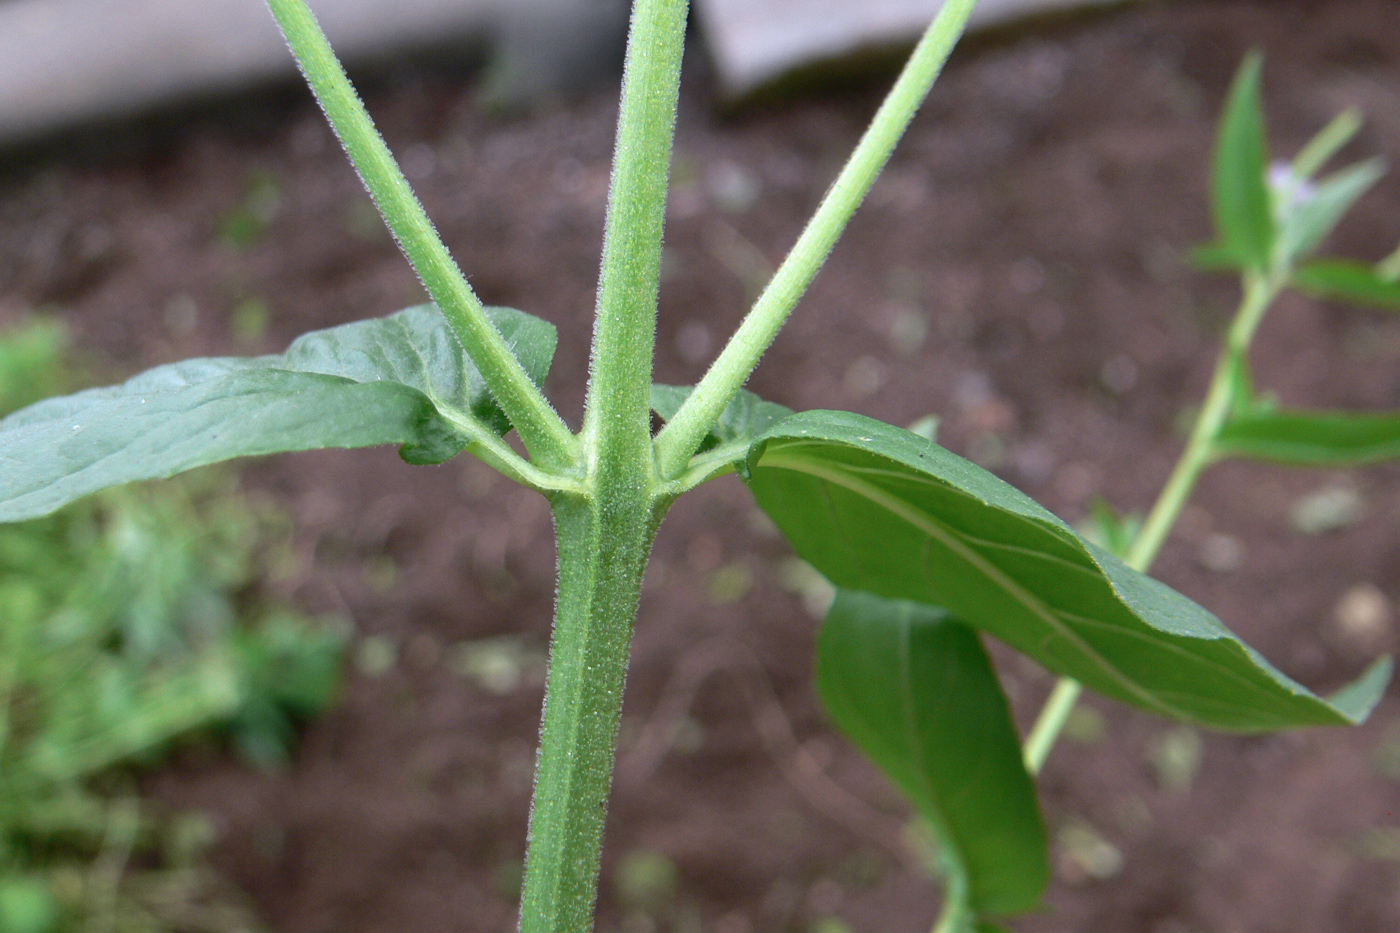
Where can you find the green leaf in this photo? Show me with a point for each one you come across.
(914, 690)
(878, 509)
(1214, 257)
(1311, 438)
(1345, 280)
(1310, 211)
(1239, 192)
(402, 380)
(742, 420)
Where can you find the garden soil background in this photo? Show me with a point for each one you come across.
(1019, 271)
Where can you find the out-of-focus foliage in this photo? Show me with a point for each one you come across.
(128, 621)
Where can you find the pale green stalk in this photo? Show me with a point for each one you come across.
(1259, 293)
(1327, 143)
(955, 916)
(683, 435)
(544, 434)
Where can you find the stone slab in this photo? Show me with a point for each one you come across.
(754, 42)
(66, 61)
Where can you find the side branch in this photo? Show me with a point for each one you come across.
(545, 435)
(679, 440)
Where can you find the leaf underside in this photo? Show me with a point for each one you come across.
(403, 379)
(914, 690)
(881, 510)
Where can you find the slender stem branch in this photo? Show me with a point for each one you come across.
(491, 449)
(546, 436)
(683, 435)
(1200, 447)
(618, 412)
(1051, 721)
(1259, 293)
(955, 916)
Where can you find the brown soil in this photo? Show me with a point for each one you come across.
(1034, 222)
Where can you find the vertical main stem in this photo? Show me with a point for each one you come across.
(618, 410)
(603, 548)
(605, 532)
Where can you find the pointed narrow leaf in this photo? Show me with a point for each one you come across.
(1311, 438)
(1313, 210)
(1345, 280)
(878, 509)
(743, 419)
(402, 380)
(913, 689)
(1239, 192)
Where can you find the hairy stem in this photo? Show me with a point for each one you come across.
(545, 435)
(683, 435)
(618, 412)
(605, 531)
(603, 549)
(1221, 397)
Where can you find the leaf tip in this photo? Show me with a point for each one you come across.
(1356, 700)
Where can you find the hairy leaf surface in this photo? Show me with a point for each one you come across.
(401, 380)
(878, 509)
(914, 690)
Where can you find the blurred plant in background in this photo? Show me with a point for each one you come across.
(127, 622)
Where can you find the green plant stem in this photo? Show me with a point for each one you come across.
(1050, 722)
(1221, 397)
(603, 548)
(955, 916)
(683, 435)
(605, 532)
(544, 434)
(617, 419)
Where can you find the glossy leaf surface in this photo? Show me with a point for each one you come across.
(913, 689)
(881, 510)
(1240, 200)
(402, 380)
(1344, 280)
(1311, 438)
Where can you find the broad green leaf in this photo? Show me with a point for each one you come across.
(1309, 211)
(1311, 438)
(914, 690)
(742, 420)
(878, 509)
(402, 380)
(1345, 280)
(1239, 192)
